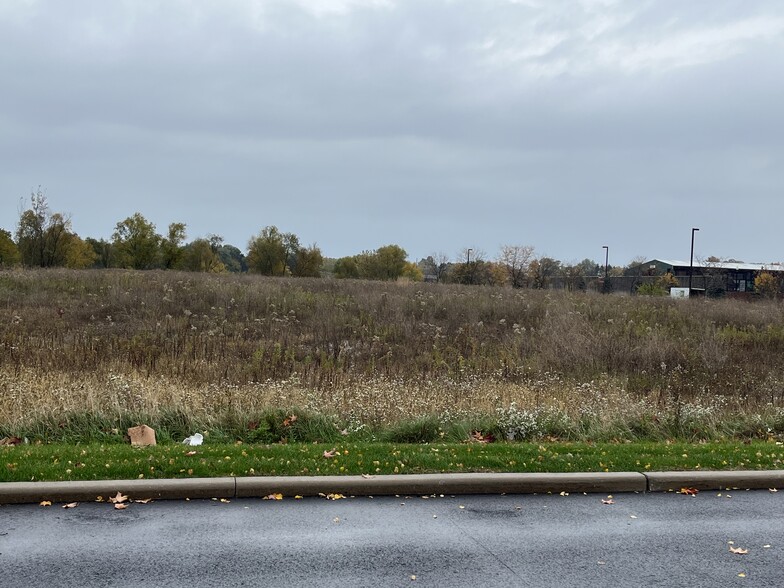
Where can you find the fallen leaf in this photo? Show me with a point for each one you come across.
(564, 494)
(608, 501)
(297, 497)
(120, 505)
(225, 500)
(772, 490)
(367, 476)
(336, 520)
(118, 499)
(738, 550)
(10, 441)
(330, 453)
(290, 420)
(145, 501)
(413, 577)
(71, 505)
(689, 491)
(480, 438)
(46, 503)
(334, 496)
(741, 575)
(189, 453)
(99, 499)
(276, 496)
(461, 507)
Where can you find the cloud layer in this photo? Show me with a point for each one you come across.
(437, 125)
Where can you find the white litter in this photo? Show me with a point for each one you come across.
(195, 439)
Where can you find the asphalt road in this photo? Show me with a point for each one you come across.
(550, 540)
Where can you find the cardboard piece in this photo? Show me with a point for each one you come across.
(142, 436)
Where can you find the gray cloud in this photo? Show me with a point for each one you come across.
(434, 124)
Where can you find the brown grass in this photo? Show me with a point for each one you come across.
(113, 340)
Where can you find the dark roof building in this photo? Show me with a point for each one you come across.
(710, 276)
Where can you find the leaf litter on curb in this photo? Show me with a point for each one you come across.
(119, 498)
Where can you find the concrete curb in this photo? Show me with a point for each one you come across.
(421, 484)
(665, 481)
(31, 492)
(407, 484)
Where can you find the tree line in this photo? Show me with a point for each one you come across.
(46, 239)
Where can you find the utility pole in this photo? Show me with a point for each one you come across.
(691, 259)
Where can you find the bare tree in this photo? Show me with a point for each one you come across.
(516, 259)
(437, 265)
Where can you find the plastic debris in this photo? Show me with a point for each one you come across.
(195, 439)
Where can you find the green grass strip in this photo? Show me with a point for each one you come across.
(104, 462)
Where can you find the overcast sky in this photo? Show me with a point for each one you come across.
(434, 124)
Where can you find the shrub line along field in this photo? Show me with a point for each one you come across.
(85, 354)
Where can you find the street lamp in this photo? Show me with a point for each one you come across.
(468, 256)
(691, 259)
(606, 259)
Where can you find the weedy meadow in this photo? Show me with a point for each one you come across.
(85, 354)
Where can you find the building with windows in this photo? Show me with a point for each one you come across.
(711, 277)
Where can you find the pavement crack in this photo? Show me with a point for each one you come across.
(453, 520)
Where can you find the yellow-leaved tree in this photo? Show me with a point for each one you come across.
(766, 284)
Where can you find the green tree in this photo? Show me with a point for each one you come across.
(171, 246)
(232, 258)
(9, 252)
(346, 267)
(136, 244)
(202, 255)
(267, 253)
(102, 250)
(78, 253)
(42, 236)
(542, 270)
(308, 262)
(385, 263)
(476, 272)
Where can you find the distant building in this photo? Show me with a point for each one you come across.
(712, 277)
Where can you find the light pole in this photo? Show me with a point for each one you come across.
(691, 259)
(606, 260)
(468, 256)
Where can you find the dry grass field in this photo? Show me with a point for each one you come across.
(572, 365)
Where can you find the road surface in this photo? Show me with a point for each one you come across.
(525, 540)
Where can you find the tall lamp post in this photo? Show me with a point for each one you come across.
(605, 285)
(691, 259)
(468, 256)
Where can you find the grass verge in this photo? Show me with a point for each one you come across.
(110, 461)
